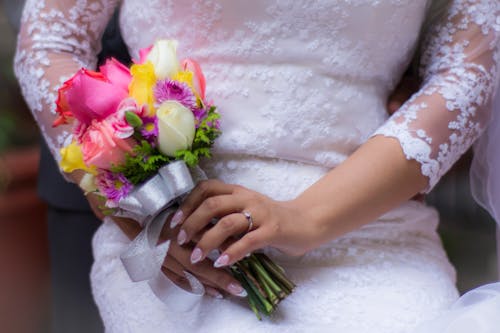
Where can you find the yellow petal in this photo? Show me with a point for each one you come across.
(187, 78)
(72, 159)
(141, 86)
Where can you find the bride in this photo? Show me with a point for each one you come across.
(308, 154)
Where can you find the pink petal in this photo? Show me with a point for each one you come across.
(117, 73)
(91, 96)
(143, 54)
(198, 77)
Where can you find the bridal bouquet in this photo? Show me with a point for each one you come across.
(138, 133)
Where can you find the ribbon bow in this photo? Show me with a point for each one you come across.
(151, 203)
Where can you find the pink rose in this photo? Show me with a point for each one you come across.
(118, 121)
(198, 77)
(62, 107)
(102, 147)
(117, 73)
(90, 95)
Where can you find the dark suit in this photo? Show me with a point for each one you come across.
(71, 223)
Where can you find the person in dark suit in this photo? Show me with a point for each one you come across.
(71, 222)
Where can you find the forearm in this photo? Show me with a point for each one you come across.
(373, 180)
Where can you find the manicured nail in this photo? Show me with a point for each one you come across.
(181, 238)
(196, 255)
(223, 260)
(237, 290)
(195, 284)
(176, 219)
(213, 292)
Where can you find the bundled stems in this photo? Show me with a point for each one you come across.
(264, 281)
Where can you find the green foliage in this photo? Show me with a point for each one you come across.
(142, 164)
(132, 119)
(146, 160)
(204, 139)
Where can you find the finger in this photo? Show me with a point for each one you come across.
(172, 264)
(228, 226)
(212, 207)
(252, 241)
(203, 190)
(183, 283)
(227, 243)
(129, 227)
(213, 292)
(175, 267)
(205, 270)
(179, 280)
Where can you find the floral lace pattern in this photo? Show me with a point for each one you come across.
(57, 38)
(296, 53)
(460, 67)
(295, 81)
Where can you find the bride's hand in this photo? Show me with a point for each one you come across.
(177, 261)
(281, 224)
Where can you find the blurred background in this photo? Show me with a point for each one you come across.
(24, 264)
(467, 231)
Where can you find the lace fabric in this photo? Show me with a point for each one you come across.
(295, 81)
(460, 67)
(57, 38)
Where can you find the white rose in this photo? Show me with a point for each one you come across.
(176, 127)
(87, 183)
(163, 55)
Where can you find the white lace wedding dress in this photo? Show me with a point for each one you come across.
(300, 85)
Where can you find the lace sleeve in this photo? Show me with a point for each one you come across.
(57, 38)
(460, 65)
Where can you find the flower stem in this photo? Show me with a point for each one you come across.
(276, 271)
(264, 281)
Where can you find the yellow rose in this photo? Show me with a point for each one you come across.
(176, 127)
(72, 159)
(163, 56)
(141, 86)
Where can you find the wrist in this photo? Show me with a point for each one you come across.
(314, 218)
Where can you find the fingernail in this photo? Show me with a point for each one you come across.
(176, 219)
(213, 292)
(195, 284)
(223, 260)
(181, 238)
(196, 255)
(237, 290)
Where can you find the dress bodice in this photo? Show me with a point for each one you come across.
(301, 80)
(297, 80)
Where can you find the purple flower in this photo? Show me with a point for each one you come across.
(166, 90)
(199, 114)
(114, 186)
(149, 129)
(215, 124)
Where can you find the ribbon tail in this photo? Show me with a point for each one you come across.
(143, 258)
(174, 296)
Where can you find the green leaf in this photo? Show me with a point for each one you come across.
(142, 164)
(133, 120)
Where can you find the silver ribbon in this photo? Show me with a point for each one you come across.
(151, 204)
